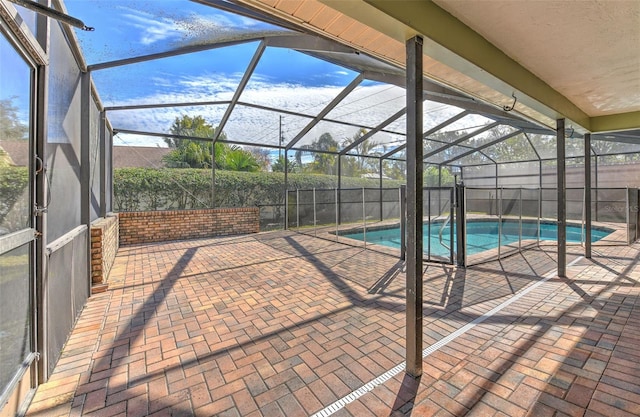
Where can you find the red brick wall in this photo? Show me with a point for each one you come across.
(160, 226)
(104, 246)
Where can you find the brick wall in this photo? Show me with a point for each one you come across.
(104, 246)
(160, 226)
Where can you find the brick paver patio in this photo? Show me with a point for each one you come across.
(281, 324)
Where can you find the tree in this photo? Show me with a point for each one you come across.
(432, 177)
(193, 153)
(11, 128)
(238, 159)
(324, 158)
(188, 153)
(395, 169)
(279, 164)
(262, 156)
(356, 166)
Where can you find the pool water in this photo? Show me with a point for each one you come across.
(482, 235)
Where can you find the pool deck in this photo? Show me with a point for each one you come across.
(285, 324)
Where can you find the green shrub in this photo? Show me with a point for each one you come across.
(13, 182)
(141, 189)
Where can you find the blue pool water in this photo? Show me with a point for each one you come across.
(482, 235)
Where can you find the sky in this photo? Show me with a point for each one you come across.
(284, 79)
(15, 80)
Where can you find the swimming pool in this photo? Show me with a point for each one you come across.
(482, 235)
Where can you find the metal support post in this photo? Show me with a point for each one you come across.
(85, 165)
(520, 223)
(582, 220)
(562, 199)
(336, 207)
(213, 174)
(286, 210)
(364, 219)
(429, 223)
(464, 224)
(414, 157)
(499, 221)
(381, 193)
(41, 271)
(539, 212)
(286, 190)
(315, 233)
(595, 166)
(103, 164)
(540, 193)
(540, 173)
(587, 195)
(626, 205)
(339, 189)
(460, 223)
(110, 170)
(298, 209)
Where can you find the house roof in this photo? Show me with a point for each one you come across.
(138, 156)
(17, 150)
(123, 156)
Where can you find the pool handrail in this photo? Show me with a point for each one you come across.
(444, 224)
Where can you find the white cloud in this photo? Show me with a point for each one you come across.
(255, 125)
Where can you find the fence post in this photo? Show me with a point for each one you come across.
(298, 209)
(337, 208)
(520, 234)
(499, 222)
(460, 223)
(584, 205)
(539, 212)
(464, 224)
(381, 193)
(456, 203)
(403, 222)
(315, 232)
(286, 210)
(364, 219)
(429, 223)
(626, 197)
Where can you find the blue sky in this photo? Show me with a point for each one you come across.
(124, 29)
(283, 78)
(15, 80)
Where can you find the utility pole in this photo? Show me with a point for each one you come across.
(280, 136)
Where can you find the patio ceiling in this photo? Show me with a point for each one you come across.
(574, 59)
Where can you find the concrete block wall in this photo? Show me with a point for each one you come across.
(105, 241)
(161, 226)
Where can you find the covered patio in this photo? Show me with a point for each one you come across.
(283, 324)
(524, 110)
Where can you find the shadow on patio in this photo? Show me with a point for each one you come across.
(284, 324)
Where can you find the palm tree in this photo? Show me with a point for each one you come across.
(238, 159)
(356, 166)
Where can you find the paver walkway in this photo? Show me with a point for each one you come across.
(281, 324)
